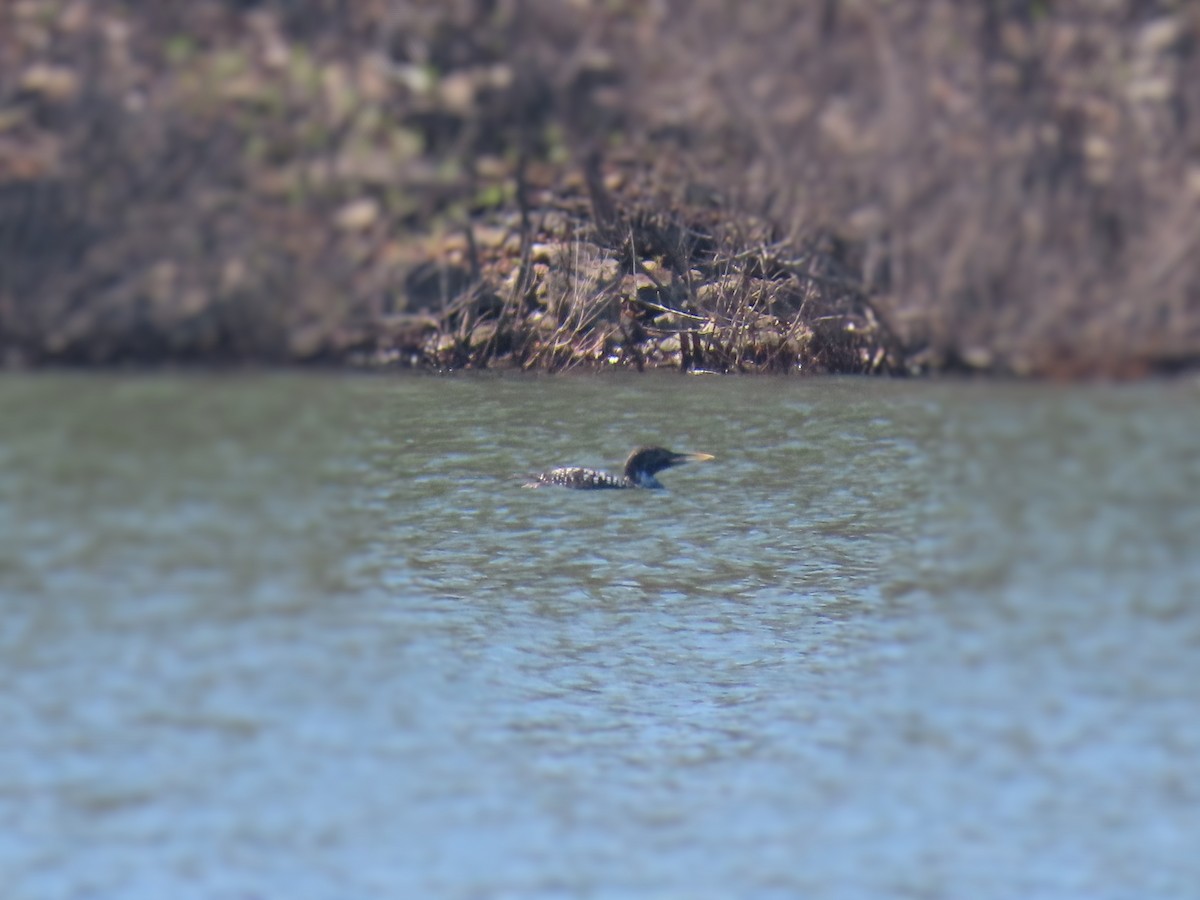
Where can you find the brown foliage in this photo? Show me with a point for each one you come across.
(1010, 185)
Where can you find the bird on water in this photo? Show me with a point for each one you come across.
(641, 467)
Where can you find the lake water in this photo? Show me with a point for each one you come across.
(308, 637)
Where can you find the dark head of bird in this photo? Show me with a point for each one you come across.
(645, 462)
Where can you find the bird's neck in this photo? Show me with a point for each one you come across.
(644, 479)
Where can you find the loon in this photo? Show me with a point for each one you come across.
(640, 469)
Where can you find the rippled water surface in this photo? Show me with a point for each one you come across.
(309, 637)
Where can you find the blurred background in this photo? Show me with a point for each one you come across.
(1008, 186)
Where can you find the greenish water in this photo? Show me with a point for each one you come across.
(309, 637)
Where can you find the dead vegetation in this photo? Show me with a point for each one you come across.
(1010, 186)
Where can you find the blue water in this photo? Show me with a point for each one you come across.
(309, 637)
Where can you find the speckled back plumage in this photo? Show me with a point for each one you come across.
(579, 478)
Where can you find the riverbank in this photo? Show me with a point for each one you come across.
(544, 186)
